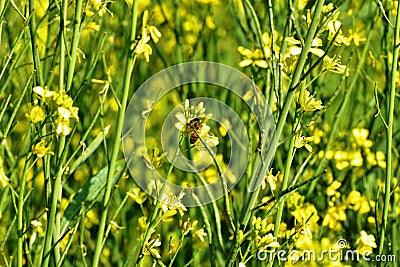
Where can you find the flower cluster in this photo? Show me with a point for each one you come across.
(148, 32)
(192, 120)
(61, 108)
(359, 154)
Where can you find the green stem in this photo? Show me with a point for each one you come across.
(75, 41)
(35, 52)
(389, 133)
(130, 62)
(177, 250)
(20, 215)
(54, 218)
(224, 185)
(286, 174)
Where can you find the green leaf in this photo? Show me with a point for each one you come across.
(89, 194)
(90, 149)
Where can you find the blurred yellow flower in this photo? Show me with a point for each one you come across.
(271, 180)
(151, 248)
(308, 103)
(361, 137)
(333, 27)
(302, 141)
(334, 216)
(365, 243)
(356, 37)
(3, 178)
(332, 188)
(208, 2)
(41, 150)
(36, 114)
(334, 65)
(357, 202)
(342, 159)
(156, 160)
(137, 195)
(200, 234)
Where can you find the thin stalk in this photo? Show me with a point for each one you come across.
(389, 133)
(54, 218)
(220, 172)
(35, 51)
(285, 182)
(130, 62)
(20, 215)
(75, 41)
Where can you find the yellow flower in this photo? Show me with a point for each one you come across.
(187, 226)
(333, 27)
(332, 188)
(309, 103)
(200, 234)
(63, 127)
(156, 161)
(97, 6)
(173, 203)
(64, 100)
(255, 58)
(357, 202)
(295, 47)
(189, 113)
(137, 195)
(143, 48)
(41, 150)
(307, 213)
(334, 216)
(301, 141)
(361, 137)
(143, 225)
(365, 243)
(3, 178)
(148, 32)
(44, 93)
(356, 158)
(334, 65)
(116, 227)
(267, 241)
(271, 180)
(36, 114)
(151, 248)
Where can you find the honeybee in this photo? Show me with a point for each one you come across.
(194, 125)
